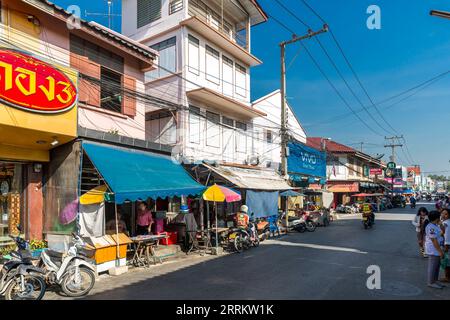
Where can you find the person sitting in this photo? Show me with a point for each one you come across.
(144, 220)
(121, 225)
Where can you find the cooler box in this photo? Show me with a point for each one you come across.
(172, 239)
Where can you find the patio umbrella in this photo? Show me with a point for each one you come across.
(218, 193)
(94, 196)
(291, 193)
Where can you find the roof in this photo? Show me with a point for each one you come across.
(256, 11)
(138, 175)
(102, 31)
(255, 179)
(330, 146)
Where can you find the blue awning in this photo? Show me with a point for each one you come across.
(138, 175)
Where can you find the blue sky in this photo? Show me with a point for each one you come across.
(410, 48)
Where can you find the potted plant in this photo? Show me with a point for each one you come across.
(37, 246)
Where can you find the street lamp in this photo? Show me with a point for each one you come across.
(440, 14)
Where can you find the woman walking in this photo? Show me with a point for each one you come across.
(433, 240)
(420, 221)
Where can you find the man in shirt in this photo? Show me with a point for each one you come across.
(433, 250)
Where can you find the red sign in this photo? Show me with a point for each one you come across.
(33, 85)
(376, 172)
(343, 186)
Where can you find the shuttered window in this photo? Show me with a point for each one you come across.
(175, 6)
(148, 11)
(194, 55)
(212, 65)
(241, 137)
(194, 124)
(167, 59)
(212, 129)
(227, 76)
(241, 80)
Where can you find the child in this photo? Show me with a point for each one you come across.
(445, 217)
(433, 249)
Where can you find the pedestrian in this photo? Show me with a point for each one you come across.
(420, 223)
(433, 249)
(445, 226)
(144, 220)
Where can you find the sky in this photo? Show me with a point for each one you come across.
(410, 48)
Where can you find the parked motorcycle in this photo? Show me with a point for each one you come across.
(321, 218)
(263, 227)
(71, 271)
(294, 223)
(310, 224)
(19, 278)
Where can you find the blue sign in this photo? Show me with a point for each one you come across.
(304, 160)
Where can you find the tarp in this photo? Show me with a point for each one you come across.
(92, 220)
(304, 160)
(246, 178)
(262, 203)
(137, 175)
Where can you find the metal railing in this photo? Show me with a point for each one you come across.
(199, 9)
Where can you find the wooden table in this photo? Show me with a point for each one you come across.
(220, 232)
(144, 249)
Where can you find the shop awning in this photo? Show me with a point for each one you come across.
(138, 175)
(255, 179)
(343, 186)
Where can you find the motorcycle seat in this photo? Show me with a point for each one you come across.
(55, 254)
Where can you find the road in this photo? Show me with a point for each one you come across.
(330, 263)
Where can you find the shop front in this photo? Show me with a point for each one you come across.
(342, 191)
(38, 112)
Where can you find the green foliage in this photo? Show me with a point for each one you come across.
(7, 250)
(38, 244)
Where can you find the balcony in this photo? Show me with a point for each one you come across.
(216, 25)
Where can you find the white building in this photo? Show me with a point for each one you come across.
(205, 61)
(267, 129)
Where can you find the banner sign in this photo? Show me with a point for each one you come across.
(32, 85)
(306, 160)
(376, 171)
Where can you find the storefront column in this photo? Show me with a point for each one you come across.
(35, 204)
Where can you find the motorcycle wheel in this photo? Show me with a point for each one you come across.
(300, 228)
(73, 289)
(34, 289)
(365, 226)
(311, 226)
(256, 242)
(239, 243)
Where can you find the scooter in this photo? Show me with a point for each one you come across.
(294, 223)
(70, 271)
(19, 278)
(310, 224)
(263, 227)
(367, 220)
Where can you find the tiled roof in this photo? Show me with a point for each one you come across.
(331, 146)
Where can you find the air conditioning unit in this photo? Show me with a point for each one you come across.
(252, 160)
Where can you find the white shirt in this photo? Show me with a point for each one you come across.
(446, 223)
(432, 231)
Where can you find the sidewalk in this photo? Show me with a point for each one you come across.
(106, 282)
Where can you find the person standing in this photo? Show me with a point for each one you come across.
(433, 249)
(419, 222)
(445, 226)
(144, 220)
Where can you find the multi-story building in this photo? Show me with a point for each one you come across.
(204, 67)
(348, 170)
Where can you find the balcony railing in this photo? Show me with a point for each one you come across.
(199, 9)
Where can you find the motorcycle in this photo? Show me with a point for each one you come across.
(367, 220)
(294, 223)
(413, 204)
(19, 278)
(310, 224)
(70, 271)
(263, 227)
(322, 218)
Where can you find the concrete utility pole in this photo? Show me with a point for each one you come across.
(284, 135)
(393, 145)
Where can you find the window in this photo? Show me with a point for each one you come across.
(194, 55)
(212, 65)
(111, 90)
(163, 127)
(241, 80)
(194, 124)
(228, 138)
(241, 137)
(268, 136)
(175, 6)
(228, 122)
(96, 54)
(148, 11)
(167, 59)
(227, 76)
(212, 129)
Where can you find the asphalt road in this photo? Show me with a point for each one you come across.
(330, 263)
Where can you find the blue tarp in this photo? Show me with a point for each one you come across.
(138, 175)
(262, 203)
(304, 160)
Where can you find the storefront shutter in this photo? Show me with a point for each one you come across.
(129, 100)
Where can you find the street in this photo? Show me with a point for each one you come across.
(330, 263)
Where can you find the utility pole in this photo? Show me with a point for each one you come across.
(393, 145)
(284, 135)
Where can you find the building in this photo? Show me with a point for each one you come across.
(349, 170)
(204, 67)
(74, 91)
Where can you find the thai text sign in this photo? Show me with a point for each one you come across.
(30, 84)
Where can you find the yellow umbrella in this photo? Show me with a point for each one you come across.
(94, 196)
